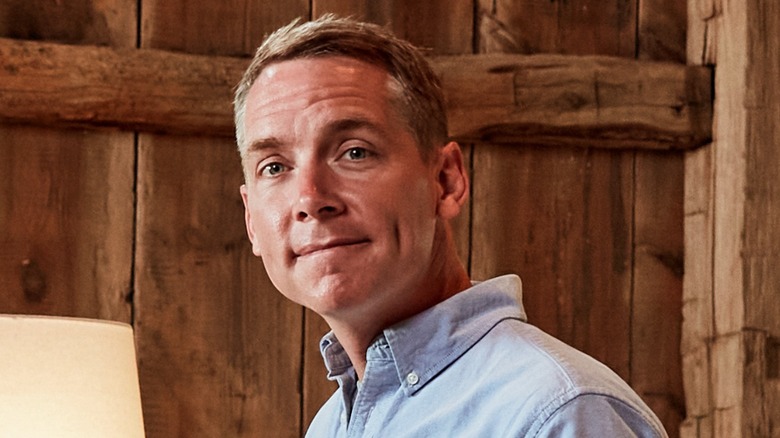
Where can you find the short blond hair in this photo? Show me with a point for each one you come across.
(419, 100)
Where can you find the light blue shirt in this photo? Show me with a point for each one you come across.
(472, 367)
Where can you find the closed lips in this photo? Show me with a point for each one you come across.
(313, 248)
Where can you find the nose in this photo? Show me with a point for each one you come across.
(317, 194)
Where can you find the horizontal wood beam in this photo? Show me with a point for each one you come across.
(526, 99)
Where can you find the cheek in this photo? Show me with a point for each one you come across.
(268, 226)
(416, 214)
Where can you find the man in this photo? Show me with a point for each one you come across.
(350, 183)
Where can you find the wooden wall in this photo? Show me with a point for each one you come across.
(731, 339)
(148, 228)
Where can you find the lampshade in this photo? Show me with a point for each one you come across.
(68, 377)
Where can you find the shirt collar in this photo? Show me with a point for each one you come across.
(425, 344)
(428, 342)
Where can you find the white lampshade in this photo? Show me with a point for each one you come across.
(68, 377)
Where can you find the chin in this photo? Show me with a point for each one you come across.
(330, 298)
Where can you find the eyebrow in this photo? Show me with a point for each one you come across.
(351, 124)
(333, 128)
(264, 143)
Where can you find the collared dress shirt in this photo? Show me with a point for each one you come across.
(472, 367)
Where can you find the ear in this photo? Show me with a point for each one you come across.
(453, 181)
(250, 231)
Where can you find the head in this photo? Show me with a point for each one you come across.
(349, 179)
(417, 93)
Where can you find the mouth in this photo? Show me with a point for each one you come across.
(315, 248)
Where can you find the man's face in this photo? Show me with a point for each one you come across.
(339, 202)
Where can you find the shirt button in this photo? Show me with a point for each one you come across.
(343, 417)
(412, 378)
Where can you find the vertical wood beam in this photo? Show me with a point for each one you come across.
(656, 316)
(732, 226)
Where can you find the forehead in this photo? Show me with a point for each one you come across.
(308, 80)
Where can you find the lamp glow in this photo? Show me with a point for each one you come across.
(68, 377)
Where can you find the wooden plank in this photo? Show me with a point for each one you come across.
(544, 99)
(689, 429)
(700, 427)
(656, 371)
(661, 30)
(133, 89)
(762, 168)
(656, 316)
(698, 306)
(698, 324)
(729, 157)
(706, 427)
(761, 256)
(233, 28)
(66, 215)
(220, 347)
(740, 390)
(697, 327)
(66, 196)
(560, 218)
(758, 412)
(441, 27)
(727, 390)
(704, 17)
(570, 27)
(697, 383)
(547, 100)
(103, 22)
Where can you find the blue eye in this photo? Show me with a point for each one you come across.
(356, 154)
(272, 169)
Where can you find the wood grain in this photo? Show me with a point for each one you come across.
(102, 22)
(656, 311)
(435, 26)
(568, 27)
(762, 169)
(134, 89)
(66, 196)
(698, 326)
(223, 28)
(732, 207)
(661, 30)
(697, 310)
(568, 239)
(759, 250)
(544, 99)
(596, 102)
(656, 316)
(66, 215)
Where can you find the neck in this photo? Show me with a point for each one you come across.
(445, 277)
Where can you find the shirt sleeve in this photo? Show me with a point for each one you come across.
(594, 415)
